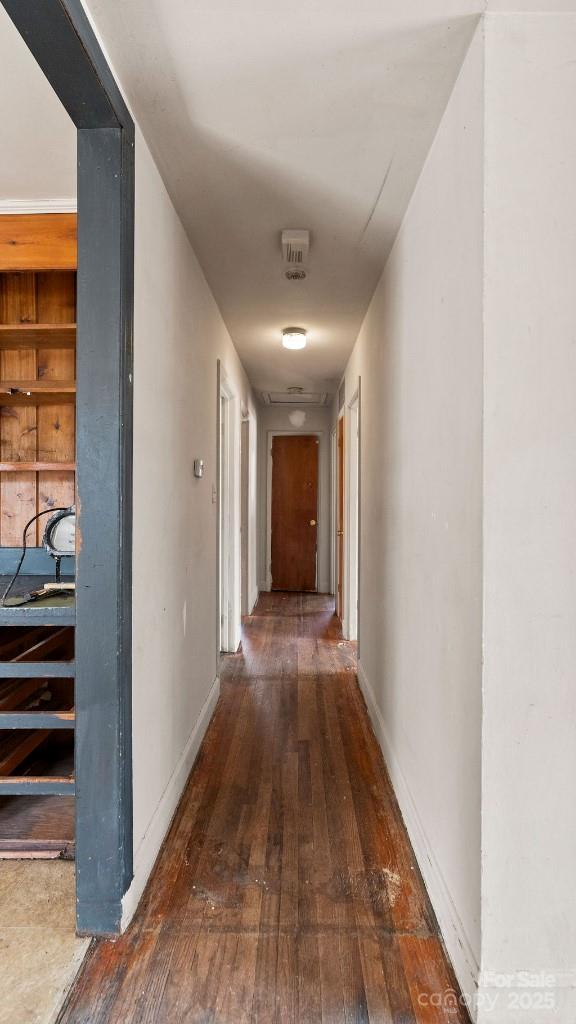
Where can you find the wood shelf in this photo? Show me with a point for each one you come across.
(37, 467)
(37, 785)
(51, 387)
(37, 335)
(37, 392)
(38, 719)
(38, 241)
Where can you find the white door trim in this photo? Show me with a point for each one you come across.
(351, 516)
(229, 568)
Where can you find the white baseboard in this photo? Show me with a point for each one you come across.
(253, 599)
(67, 205)
(265, 586)
(456, 941)
(147, 852)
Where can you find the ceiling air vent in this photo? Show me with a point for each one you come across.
(294, 397)
(295, 250)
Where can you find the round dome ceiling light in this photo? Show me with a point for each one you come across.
(294, 337)
(297, 418)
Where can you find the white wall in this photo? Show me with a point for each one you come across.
(178, 337)
(529, 819)
(419, 357)
(319, 420)
(468, 551)
(37, 137)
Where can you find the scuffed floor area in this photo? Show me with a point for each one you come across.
(286, 891)
(40, 953)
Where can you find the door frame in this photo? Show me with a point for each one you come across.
(351, 517)
(333, 511)
(60, 37)
(270, 434)
(340, 522)
(229, 620)
(245, 438)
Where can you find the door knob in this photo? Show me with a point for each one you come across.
(339, 533)
(312, 522)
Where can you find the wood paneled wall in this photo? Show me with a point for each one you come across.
(37, 430)
(36, 241)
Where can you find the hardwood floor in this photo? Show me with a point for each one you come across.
(287, 890)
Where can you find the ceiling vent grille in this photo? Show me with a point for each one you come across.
(294, 397)
(295, 251)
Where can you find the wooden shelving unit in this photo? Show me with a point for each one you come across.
(37, 472)
(37, 398)
(36, 707)
(37, 392)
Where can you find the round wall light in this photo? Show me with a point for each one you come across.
(294, 337)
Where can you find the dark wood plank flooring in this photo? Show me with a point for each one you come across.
(286, 890)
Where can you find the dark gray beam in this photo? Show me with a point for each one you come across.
(62, 40)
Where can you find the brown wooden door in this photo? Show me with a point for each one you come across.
(340, 522)
(294, 512)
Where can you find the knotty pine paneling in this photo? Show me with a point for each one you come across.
(29, 432)
(56, 303)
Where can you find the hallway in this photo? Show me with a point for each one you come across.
(286, 889)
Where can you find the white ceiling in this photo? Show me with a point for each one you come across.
(304, 114)
(37, 138)
(310, 114)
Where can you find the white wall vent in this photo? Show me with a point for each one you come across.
(295, 251)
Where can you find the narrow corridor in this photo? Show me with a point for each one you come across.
(286, 889)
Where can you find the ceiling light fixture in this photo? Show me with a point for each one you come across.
(294, 337)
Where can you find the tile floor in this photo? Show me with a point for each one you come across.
(40, 953)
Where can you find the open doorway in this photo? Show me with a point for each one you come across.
(228, 518)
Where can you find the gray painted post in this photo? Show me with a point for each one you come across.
(103, 583)
(61, 39)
